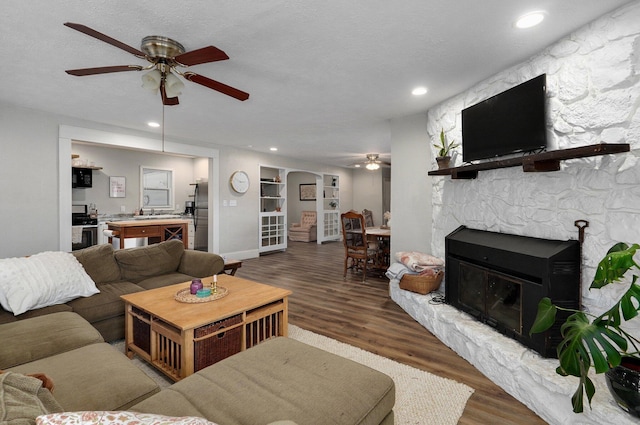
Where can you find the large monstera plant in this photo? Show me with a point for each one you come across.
(596, 341)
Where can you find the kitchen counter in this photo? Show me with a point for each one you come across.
(156, 230)
(130, 217)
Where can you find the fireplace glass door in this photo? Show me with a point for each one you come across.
(498, 297)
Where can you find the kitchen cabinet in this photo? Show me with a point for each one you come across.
(273, 206)
(331, 227)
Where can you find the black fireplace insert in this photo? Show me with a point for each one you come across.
(499, 279)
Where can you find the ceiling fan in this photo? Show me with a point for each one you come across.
(165, 56)
(373, 162)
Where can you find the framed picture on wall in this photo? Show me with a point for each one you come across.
(307, 192)
(117, 187)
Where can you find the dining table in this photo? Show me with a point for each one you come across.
(382, 236)
(378, 231)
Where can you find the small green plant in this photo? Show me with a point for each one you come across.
(597, 341)
(445, 147)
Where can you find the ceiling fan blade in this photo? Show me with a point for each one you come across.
(167, 101)
(204, 55)
(102, 37)
(102, 70)
(216, 85)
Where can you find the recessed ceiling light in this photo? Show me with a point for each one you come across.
(153, 124)
(419, 91)
(273, 149)
(357, 165)
(529, 20)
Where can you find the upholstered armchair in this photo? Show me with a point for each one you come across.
(306, 230)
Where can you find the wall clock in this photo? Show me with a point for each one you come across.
(239, 181)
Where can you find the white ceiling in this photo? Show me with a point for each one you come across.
(324, 76)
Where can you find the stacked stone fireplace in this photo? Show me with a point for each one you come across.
(593, 91)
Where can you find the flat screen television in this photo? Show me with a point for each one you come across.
(509, 122)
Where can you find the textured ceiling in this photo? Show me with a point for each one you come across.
(324, 77)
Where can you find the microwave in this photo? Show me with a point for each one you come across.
(81, 177)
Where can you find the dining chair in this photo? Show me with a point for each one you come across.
(368, 217)
(356, 246)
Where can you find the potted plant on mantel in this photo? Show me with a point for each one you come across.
(599, 341)
(443, 159)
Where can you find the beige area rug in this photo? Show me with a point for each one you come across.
(421, 398)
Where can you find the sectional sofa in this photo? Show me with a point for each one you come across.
(120, 272)
(278, 381)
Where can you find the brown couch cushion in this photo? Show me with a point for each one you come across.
(200, 264)
(277, 379)
(140, 263)
(106, 304)
(99, 263)
(94, 377)
(39, 337)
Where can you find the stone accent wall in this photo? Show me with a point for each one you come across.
(593, 78)
(593, 88)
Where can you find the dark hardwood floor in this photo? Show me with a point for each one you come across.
(363, 315)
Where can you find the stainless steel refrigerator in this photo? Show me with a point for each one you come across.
(201, 216)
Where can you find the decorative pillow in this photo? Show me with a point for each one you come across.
(117, 418)
(44, 279)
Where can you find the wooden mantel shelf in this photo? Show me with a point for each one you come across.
(540, 162)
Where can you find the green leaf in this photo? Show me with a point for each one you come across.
(615, 264)
(545, 318)
(589, 388)
(576, 399)
(629, 309)
(572, 353)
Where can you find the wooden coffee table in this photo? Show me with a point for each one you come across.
(181, 338)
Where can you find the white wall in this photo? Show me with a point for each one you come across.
(593, 79)
(410, 185)
(28, 181)
(368, 193)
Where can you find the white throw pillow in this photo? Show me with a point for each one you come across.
(117, 418)
(44, 279)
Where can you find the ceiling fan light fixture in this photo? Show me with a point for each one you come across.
(151, 80)
(372, 166)
(172, 85)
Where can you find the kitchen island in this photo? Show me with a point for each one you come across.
(156, 230)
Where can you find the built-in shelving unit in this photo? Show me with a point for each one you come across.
(330, 207)
(273, 202)
(541, 162)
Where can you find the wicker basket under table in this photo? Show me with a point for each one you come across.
(215, 342)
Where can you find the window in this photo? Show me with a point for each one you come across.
(156, 188)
